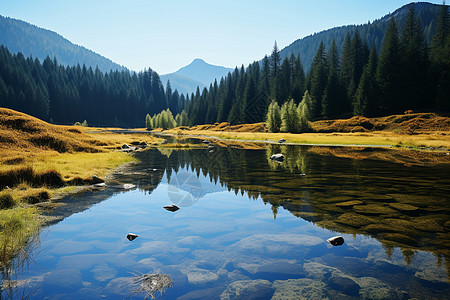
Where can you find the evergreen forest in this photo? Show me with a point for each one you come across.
(408, 71)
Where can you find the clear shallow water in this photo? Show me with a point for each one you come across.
(250, 227)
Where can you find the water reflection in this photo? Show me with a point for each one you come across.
(406, 207)
(226, 244)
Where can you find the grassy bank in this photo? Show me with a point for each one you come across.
(412, 130)
(40, 162)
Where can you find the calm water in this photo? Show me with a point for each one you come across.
(249, 228)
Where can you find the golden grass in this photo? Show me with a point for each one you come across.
(412, 130)
(36, 155)
(17, 225)
(372, 138)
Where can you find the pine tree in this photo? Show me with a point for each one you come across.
(440, 56)
(289, 117)
(148, 122)
(388, 73)
(365, 103)
(318, 78)
(414, 62)
(273, 119)
(304, 113)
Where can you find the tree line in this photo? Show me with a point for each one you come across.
(65, 95)
(406, 74)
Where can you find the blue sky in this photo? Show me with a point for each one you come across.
(166, 35)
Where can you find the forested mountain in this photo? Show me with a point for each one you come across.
(184, 85)
(406, 73)
(371, 32)
(19, 36)
(65, 95)
(197, 73)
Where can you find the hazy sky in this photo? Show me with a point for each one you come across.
(166, 35)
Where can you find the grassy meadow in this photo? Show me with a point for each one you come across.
(40, 161)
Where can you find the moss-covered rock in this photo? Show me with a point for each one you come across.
(354, 220)
(303, 288)
(349, 204)
(374, 209)
(427, 224)
(399, 238)
(403, 207)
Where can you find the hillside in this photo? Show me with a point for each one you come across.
(370, 32)
(20, 36)
(197, 73)
(21, 133)
(184, 85)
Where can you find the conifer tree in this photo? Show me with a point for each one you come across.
(304, 113)
(318, 78)
(289, 117)
(148, 122)
(388, 73)
(414, 62)
(273, 119)
(365, 103)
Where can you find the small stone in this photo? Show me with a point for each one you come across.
(281, 141)
(206, 142)
(277, 157)
(128, 186)
(171, 208)
(100, 185)
(131, 236)
(125, 146)
(336, 240)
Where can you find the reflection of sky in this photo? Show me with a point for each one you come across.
(220, 239)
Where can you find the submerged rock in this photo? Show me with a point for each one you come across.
(248, 289)
(277, 157)
(131, 236)
(303, 288)
(336, 240)
(171, 208)
(344, 284)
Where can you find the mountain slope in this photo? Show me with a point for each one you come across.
(197, 73)
(184, 85)
(19, 36)
(371, 32)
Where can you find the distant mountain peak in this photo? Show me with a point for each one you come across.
(197, 73)
(198, 60)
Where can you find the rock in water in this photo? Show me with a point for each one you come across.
(277, 157)
(206, 142)
(99, 185)
(171, 208)
(281, 141)
(125, 146)
(131, 236)
(336, 240)
(128, 186)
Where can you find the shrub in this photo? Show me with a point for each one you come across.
(6, 200)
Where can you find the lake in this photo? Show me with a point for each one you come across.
(248, 228)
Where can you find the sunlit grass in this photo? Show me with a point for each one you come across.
(373, 138)
(17, 225)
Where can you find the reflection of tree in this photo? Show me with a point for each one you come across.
(345, 195)
(295, 158)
